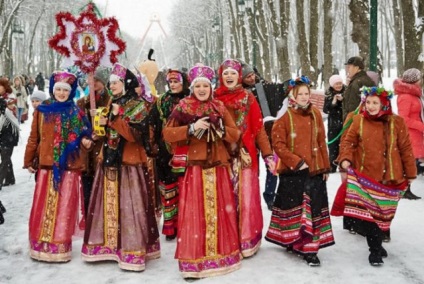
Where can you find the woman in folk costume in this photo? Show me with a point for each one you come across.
(143, 135)
(378, 157)
(121, 223)
(246, 112)
(300, 219)
(198, 129)
(59, 131)
(168, 179)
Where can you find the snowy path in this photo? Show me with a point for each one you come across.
(346, 262)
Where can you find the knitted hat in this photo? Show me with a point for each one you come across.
(246, 70)
(356, 61)
(38, 96)
(411, 75)
(335, 79)
(374, 76)
(102, 74)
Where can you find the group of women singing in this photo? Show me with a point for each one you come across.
(205, 145)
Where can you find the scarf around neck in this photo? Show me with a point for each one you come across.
(71, 125)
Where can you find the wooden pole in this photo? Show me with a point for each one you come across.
(92, 96)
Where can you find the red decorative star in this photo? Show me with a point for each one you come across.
(87, 41)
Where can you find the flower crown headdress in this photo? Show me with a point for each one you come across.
(384, 95)
(376, 91)
(299, 80)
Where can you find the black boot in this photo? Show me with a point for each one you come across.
(1, 218)
(386, 236)
(375, 258)
(2, 209)
(409, 195)
(171, 237)
(312, 259)
(383, 252)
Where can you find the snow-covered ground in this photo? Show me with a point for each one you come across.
(345, 262)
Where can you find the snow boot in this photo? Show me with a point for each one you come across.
(375, 258)
(383, 252)
(386, 236)
(409, 195)
(2, 209)
(312, 259)
(1, 218)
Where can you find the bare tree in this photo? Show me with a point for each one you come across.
(302, 46)
(412, 36)
(313, 39)
(360, 35)
(328, 46)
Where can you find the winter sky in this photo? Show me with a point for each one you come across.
(134, 15)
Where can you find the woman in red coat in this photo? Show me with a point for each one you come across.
(410, 107)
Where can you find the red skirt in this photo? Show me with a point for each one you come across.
(208, 241)
(55, 216)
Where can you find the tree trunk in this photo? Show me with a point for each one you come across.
(245, 42)
(411, 39)
(280, 32)
(313, 39)
(8, 23)
(397, 19)
(31, 42)
(359, 16)
(302, 46)
(264, 58)
(234, 29)
(328, 47)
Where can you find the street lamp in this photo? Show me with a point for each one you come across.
(249, 7)
(373, 35)
(17, 28)
(215, 25)
(241, 6)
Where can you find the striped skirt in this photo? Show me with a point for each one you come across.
(300, 217)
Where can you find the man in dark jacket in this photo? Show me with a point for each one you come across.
(39, 81)
(358, 79)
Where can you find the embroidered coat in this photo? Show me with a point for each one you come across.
(380, 149)
(309, 147)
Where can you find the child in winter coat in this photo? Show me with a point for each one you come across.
(377, 155)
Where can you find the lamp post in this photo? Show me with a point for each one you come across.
(17, 28)
(373, 35)
(249, 7)
(216, 27)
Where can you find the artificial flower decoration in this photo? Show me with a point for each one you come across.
(87, 41)
(384, 95)
(376, 91)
